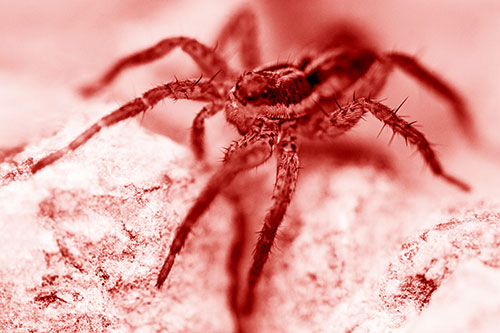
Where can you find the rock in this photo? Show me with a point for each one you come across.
(363, 248)
(83, 239)
(357, 255)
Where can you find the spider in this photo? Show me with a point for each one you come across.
(273, 107)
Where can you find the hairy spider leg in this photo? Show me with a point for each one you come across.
(250, 151)
(410, 134)
(338, 84)
(315, 124)
(206, 58)
(198, 128)
(373, 81)
(199, 90)
(439, 86)
(286, 179)
(242, 27)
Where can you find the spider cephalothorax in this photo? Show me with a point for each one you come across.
(266, 93)
(272, 107)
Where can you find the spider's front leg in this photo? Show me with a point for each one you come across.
(286, 179)
(250, 151)
(200, 90)
(409, 132)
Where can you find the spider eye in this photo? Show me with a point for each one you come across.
(254, 88)
(251, 97)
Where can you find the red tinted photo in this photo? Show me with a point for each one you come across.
(265, 166)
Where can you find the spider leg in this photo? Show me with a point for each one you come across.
(206, 58)
(327, 94)
(436, 84)
(250, 151)
(411, 135)
(286, 178)
(242, 27)
(240, 223)
(198, 128)
(201, 90)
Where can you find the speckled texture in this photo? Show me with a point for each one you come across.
(359, 251)
(82, 241)
(362, 253)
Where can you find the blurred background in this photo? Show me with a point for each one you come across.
(50, 48)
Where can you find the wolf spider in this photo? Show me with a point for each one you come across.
(272, 107)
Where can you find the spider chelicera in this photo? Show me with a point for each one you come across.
(272, 107)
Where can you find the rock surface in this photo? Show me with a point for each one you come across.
(82, 240)
(360, 250)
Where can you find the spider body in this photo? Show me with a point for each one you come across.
(323, 94)
(291, 90)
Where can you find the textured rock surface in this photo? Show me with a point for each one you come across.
(369, 256)
(360, 250)
(82, 241)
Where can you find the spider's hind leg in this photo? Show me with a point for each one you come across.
(235, 258)
(436, 84)
(242, 28)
